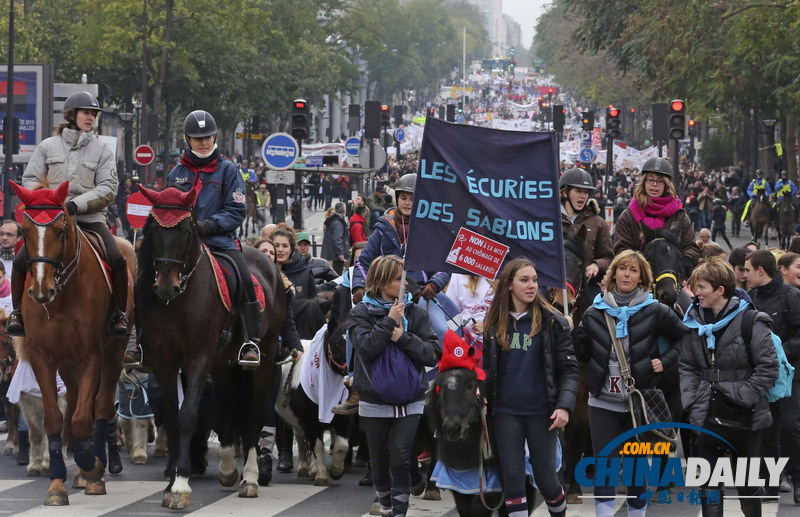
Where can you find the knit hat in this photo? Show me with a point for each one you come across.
(457, 354)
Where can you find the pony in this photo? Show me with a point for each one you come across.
(66, 311)
(662, 250)
(186, 327)
(759, 218)
(787, 218)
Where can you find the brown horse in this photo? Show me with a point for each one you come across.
(759, 218)
(787, 220)
(186, 327)
(66, 314)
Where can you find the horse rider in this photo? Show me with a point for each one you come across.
(783, 187)
(220, 208)
(77, 155)
(758, 186)
(577, 212)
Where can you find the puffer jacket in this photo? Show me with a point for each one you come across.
(598, 238)
(86, 162)
(370, 329)
(781, 302)
(334, 239)
(384, 241)
(593, 344)
(561, 367)
(628, 234)
(758, 372)
(320, 269)
(299, 274)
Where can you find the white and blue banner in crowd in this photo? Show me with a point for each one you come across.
(500, 184)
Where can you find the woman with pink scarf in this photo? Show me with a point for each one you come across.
(656, 205)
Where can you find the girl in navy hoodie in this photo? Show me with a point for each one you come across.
(532, 378)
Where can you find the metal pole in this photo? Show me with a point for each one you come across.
(298, 190)
(609, 162)
(8, 125)
(464, 73)
(566, 304)
(143, 111)
(673, 154)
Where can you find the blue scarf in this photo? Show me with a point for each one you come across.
(388, 305)
(621, 314)
(708, 330)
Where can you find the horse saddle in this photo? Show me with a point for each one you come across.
(229, 281)
(100, 253)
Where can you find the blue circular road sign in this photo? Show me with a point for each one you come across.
(399, 134)
(280, 151)
(352, 146)
(586, 155)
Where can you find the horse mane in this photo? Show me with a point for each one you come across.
(574, 246)
(668, 235)
(45, 183)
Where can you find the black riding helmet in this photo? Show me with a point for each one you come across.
(576, 177)
(659, 166)
(80, 101)
(198, 124)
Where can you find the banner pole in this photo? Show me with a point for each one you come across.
(566, 305)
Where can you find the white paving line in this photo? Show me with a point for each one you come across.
(270, 501)
(8, 484)
(120, 494)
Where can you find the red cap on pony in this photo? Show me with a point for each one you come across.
(456, 355)
(173, 197)
(53, 199)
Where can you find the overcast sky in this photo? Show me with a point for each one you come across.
(526, 13)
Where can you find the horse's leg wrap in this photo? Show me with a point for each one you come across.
(84, 454)
(100, 437)
(58, 470)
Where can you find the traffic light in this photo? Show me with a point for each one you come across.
(587, 120)
(541, 103)
(431, 111)
(460, 108)
(442, 112)
(372, 119)
(677, 119)
(692, 127)
(398, 115)
(512, 51)
(14, 138)
(301, 120)
(633, 112)
(559, 117)
(451, 112)
(613, 123)
(385, 122)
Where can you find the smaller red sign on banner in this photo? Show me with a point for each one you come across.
(138, 209)
(477, 254)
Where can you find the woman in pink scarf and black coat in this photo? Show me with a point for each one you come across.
(656, 204)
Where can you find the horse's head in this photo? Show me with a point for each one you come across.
(336, 346)
(50, 240)
(171, 238)
(663, 252)
(456, 403)
(575, 261)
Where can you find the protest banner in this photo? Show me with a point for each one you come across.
(502, 185)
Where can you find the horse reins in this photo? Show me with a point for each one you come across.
(486, 450)
(62, 272)
(183, 278)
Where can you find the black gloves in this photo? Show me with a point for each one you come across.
(72, 208)
(205, 228)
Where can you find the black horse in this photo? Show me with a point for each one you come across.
(663, 252)
(454, 406)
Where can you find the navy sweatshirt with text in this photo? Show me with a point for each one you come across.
(521, 387)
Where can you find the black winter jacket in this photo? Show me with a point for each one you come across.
(756, 373)
(371, 329)
(781, 302)
(561, 367)
(593, 344)
(301, 276)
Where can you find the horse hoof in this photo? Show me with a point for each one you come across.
(78, 481)
(432, 494)
(96, 474)
(8, 451)
(57, 499)
(95, 488)
(318, 481)
(336, 472)
(165, 499)
(179, 501)
(139, 459)
(34, 472)
(303, 472)
(574, 499)
(248, 490)
(159, 453)
(228, 479)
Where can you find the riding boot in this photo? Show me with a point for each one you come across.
(23, 455)
(713, 508)
(119, 286)
(284, 439)
(133, 352)
(250, 354)
(14, 325)
(114, 461)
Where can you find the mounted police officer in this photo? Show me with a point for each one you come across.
(785, 186)
(77, 155)
(220, 208)
(758, 186)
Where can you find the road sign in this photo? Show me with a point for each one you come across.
(459, 118)
(387, 140)
(280, 150)
(138, 209)
(586, 139)
(399, 134)
(251, 136)
(280, 177)
(144, 155)
(352, 146)
(477, 254)
(380, 157)
(586, 155)
(315, 161)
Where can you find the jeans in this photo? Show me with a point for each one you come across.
(437, 316)
(390, 441)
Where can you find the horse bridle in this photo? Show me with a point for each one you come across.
(183, 278)
(667, 273)
(332, 362)
(62, 272)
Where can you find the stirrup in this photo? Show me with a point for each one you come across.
(135, 365)
(19, 329)
(249, 364)
(112, 324)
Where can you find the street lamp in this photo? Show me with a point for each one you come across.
(769, 123)
(127, 123)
